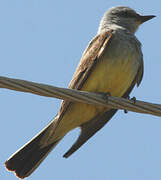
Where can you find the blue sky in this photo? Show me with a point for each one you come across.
(42, 41)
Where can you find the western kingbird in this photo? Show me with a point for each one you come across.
(112, 63)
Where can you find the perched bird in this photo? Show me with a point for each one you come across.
(112, 63)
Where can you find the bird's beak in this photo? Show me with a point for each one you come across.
(143, 19)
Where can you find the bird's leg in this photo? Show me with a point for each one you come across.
(133, 99)
(105, 95)
(125, 110)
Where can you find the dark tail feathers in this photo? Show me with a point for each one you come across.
(29, 157)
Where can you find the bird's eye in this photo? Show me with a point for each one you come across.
(125, 13)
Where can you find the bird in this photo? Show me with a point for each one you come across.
(111, 64)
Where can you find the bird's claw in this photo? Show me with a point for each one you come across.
(106, 96)
(125, 111)
(133, 99)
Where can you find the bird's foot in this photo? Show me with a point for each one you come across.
(125, 110)
(133, 99)
(105, 95)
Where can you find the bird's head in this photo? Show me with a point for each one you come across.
(124, 17)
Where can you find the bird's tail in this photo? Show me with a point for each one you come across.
(29, 157)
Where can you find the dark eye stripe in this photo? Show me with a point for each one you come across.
(126, 14)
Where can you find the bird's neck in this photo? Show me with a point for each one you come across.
(122, 26)
(107, 27)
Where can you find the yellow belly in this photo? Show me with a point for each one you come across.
(111, 76)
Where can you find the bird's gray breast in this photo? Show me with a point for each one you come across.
(124, 48)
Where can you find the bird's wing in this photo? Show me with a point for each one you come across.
(87, 63)
(88, 129)
(90, 58)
